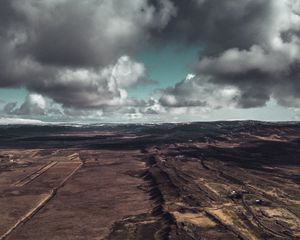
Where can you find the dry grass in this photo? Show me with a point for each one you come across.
(231, 220)
(198, 219)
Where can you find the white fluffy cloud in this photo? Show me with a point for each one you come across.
(77, 52)
(125, 73)
(90, 88)
(195, 91)
(34, 104)
(269, 68)
(80, 54)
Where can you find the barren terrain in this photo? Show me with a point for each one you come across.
(221, 180)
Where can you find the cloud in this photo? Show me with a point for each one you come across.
(80, 54)
(252, 46)
(197, 91)
(21, 121)
(87, 33)
(77, 52)
(90, 88)
(34, 104)
(9, 108)
(259, 74)
(240, 24)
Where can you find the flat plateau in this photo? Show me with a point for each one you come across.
(235, 180)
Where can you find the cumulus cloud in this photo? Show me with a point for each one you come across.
(77, 52)
(85, 33)
(91, 88)
(251, 46)
(197, 91)
(240, 24)
(258, 73)
(80, 54)
(34, 104)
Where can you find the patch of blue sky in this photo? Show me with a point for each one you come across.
(13, 94)
(166, 66)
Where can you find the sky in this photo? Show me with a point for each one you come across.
(149, 60)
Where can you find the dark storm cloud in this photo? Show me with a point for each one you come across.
(86, 33)
(217, 25)
(9, 18)
(79, 53)
(250, 45)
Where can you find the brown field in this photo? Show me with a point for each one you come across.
(242, 185)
